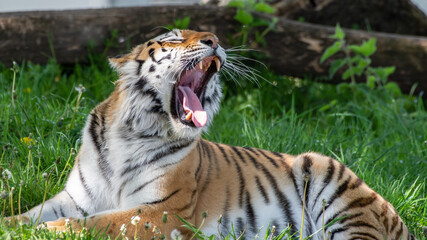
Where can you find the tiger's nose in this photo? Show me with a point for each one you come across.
(211, 41)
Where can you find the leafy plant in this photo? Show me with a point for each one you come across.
(357, 61)
(244, 15)
(179, 23)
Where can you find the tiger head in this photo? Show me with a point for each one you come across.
(171, 82)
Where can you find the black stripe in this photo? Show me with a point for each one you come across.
(238, 153)
(105, 167)
(190, 204)
(211, 155)
(240, 226)
(338, 192)
(145, 184)
(156, 157)
(253, 160)
(226, 209)
(306, 169)
(149, 43)
(349, 217)
(61, 211)
(272, 161)
(284, 202)
(327, 179)
(241, 183)
(359, 224)
(80, 209)
(386, 225)
(394, 222)
(199, 167)
(169, 56)
(342, 168)
(140, 84)
(357, 203)
(152, 68)
(163, 199)
(140, 63)
(356, 184)
(365, 234)
(221, 149)
(262, 190)
(399, 232)
(209, 171)
(54, 211)
(338, 230)
(250, 214)
(83, 181)
(151, 53)
(377, 216)
(157, 109)
(93, 125)
(102, 163)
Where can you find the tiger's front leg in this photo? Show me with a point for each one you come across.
(61, 205)
(148, 221)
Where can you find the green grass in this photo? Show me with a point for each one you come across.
(380, 134)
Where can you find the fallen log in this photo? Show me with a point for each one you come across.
(391, 16)
(293, 49)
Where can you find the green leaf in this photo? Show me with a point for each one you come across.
(393, 89)
(355, 48)
(366, 49)
(335, 66)
(347, 74)
(370, 81)
(358, 70)
(244, 17)
(331, 50)
(236, 4)
(384, 72)
(264, 7)
(339, 34)
(182, 23)
(389, 70)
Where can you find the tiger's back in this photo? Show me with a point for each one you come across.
(142, 154)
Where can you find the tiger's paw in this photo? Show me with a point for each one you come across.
(11, 221)
(62, 224)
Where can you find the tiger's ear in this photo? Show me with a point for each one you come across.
(118, 61)
(125, 63)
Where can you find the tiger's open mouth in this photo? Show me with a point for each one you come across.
(187, 104)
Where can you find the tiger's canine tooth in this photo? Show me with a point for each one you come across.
(201, 64)
(217, 63)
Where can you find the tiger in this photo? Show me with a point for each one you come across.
(142, 157)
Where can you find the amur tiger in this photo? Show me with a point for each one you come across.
(142, 154)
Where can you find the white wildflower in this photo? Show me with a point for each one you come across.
(176, 235)
(135, 220)
(7, 174)
(4, 195)
(123, 229)
(45, 176)
(80, 88)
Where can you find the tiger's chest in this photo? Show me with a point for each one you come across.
(137, 170)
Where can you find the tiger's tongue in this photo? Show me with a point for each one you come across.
(192, 104)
